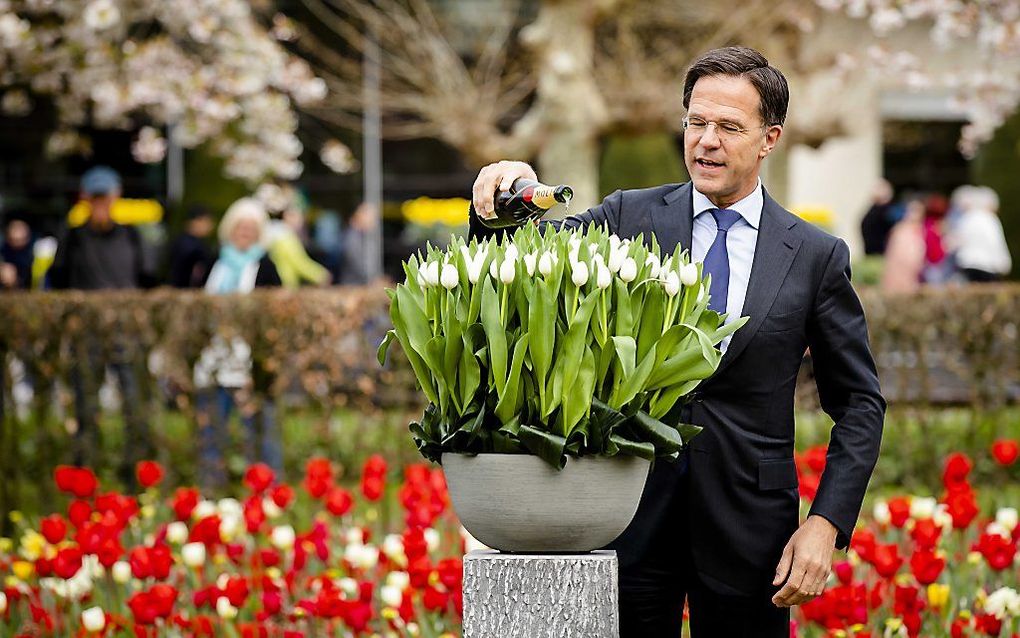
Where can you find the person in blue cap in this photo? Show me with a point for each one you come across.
(103, 255)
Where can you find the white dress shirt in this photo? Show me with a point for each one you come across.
(741, 240)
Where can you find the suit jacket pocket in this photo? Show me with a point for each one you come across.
(777, 474)
(782, 322)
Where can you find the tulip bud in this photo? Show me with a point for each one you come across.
(628, 270)
(354, 536)
(995, 529)
(271, 509)
(667, 265)
(450, 277)
(616, 257)
(689, 274)
(545, 264)
(121, 572)
(465, 252)
(93, 619)
(672, 283)
(593, 249)
(474, 267)
(225, 610)
(391, 596)
(507, 270)
(603, 277)
(574, 241)
(349, 586)
(177, 532)
(922, 508)
(193, 554)
(529, 263)
(579, 274)
(283, 537)
(614, 242)
(204, 509)
(511, 253)
(230, 526)
(652, 260)
(881, 513)
(400, 580)
(431, 539)
(1007, 517)
(573, 255)
(432, 273)
(494, 269)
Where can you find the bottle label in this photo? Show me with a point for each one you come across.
(543, 197)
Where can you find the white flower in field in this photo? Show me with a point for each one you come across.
(652, 260)
(193, 554)
(93, 619)
(391, 596)
(177, 533)
(616, 257)
(922, 508)
(511, 253)
(942, 516)
(474, 266)
(995, 529)
(101, 14)
(1003, 603)
(349, 586)
(628, 270)
(672, 283)
(121, 572)
(271, 509)
(545, 264)
(574, 255)
(398, 579)
(225, 610)
(450, 277)
(361, 556)
(689, 274)
(603, 277)
(880, 512)
(431, 539)
(354, 536)
(507, 270)
(393, 548)
(204, 509)
(529, 263)
(432, 273)
(283, 537)
(579, 273)
(1007, 517)
(3, 602)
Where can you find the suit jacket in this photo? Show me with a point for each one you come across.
(741, 490)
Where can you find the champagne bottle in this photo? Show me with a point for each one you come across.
(526, 200)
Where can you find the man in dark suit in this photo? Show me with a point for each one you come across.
(721, 528)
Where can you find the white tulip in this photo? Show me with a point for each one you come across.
(603, 277)
(421, 279)
(93, 619)
(121, 572)
(193, 554)
(271, 509)
(177, 533)
(614, 242)
(432, 273)
(3, 602)
(400, 580)
(225, 610)
(545, 264)
(511, 253)
(628, 270)
(922, 508)
(507, 270)
(354, 536)
(1003, 603)
(579, 273)
(616, 257)
(431, 539)
(689, 274)
(450, 277)
(667, 265)
(494, 269)
(701, 295)
(996, 529)
(204, 509)
(349, 586)
(393, 545)
(593, 249)
(283, 537)
(529, 263)
(672, 283)
(652, 260)
(230, 527)
(573, 255)
(942, 516)
(574, 241)
(391, 596)
(230, 507)
(1007, 517)
(881, 513)
(474, 266)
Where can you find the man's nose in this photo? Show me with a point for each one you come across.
(710, 137)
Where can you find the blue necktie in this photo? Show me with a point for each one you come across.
(717, 260)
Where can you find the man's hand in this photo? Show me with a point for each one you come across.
(501, 175)
(806, 562)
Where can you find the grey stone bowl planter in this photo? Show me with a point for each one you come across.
(518, 503)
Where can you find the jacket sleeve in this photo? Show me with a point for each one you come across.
(59, 274)
(607, 212)
(850, 394)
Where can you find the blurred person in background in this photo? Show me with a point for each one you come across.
(104, 255)
(190, 257)
(328, 239)
(905, 252)
(223, 378)
(977, 239)
(878, 222)
(283, 237)
(356, 237)
(16, 255)
(939, 265)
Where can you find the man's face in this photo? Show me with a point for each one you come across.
(18, 234)
(100, 206)
(724, 165)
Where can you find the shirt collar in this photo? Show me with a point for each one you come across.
(749, 207)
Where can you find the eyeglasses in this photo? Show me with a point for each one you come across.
(726, 130)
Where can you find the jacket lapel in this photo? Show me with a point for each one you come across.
(673, 219)
(773, 255)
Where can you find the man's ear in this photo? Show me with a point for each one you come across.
(772, 136)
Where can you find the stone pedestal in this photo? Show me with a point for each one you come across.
(541, 595)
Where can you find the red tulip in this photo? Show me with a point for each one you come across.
(79, 481)
(184, 502)
(78, 512)
(1005, 451)
(67, 562)
(962, 506)
(282, 495)
(149, 473)
(899, 511)
(259, 477)
(339, 501)
(998, 551)
(373, 487)
(887, 560)
(957, 469)
(926, 533)
(318, 477)
(926, 566)
(53, 528)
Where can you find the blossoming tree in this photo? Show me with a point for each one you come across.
(209, 69)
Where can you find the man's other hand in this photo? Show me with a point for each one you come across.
(499, 175)
(806, 561)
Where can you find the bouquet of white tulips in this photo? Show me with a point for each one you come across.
(556, 343)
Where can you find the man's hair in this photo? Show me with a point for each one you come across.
(773, 91)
